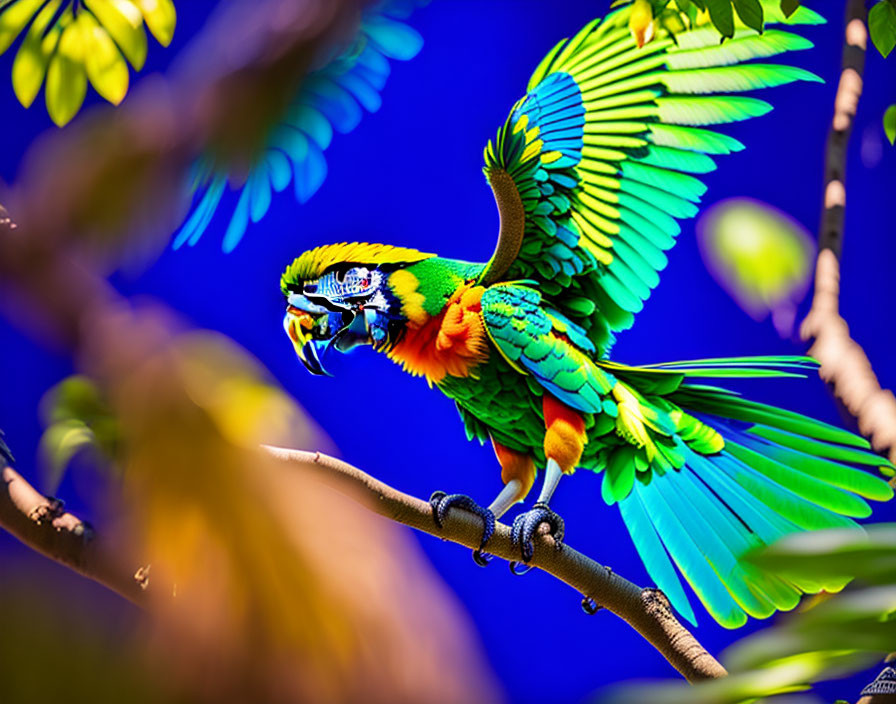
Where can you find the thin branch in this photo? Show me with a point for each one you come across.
(645, 610)
(42, 524)
(844, 364)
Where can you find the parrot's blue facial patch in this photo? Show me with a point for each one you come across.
(344, 308)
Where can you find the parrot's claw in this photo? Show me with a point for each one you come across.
(590, 606)
(526, 525)
(442, 502)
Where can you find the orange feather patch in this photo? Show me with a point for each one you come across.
(450, 343)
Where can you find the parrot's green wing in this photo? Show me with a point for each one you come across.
(602, 149)
(542, 342)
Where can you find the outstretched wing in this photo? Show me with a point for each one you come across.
(595, 164)
(332, 98)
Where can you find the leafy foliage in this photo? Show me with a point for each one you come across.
(882, 26)
(69, 43)
(761, 256)
(890, 123)
(831, 636)
(76, 418)
(724, 15)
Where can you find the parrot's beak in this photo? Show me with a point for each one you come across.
(299, 326)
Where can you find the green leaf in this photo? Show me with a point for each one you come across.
(722, 16)
(890, 123)
(683, 5)
(105, 65)
(882, 25)
(788, 7)
(160, 17)
(30, 65)
(123, 21)
(699, 4)
(66, 78)
(14, 18)
(750, 13)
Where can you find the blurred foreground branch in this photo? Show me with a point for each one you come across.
(43, 525)
(844, 364)
(646, 610)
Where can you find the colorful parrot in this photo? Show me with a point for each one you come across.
(590, 172)
(332, 98)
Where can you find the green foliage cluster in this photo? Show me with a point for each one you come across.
(76, 418)
(70, 42)
(830, 636)
(724, 14)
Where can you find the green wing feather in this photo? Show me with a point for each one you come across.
(546, 345)
(606, 147)
(731, 476)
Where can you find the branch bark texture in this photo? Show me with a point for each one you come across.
(43, 525)
(646, 610)
(844, 364)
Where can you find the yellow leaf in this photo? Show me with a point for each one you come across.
(123, 21)
(66, 78)
(640, 22)
(13, 20)
(30, 65)
(160, 17)
(105, 65)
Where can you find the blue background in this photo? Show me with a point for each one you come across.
(410, 175)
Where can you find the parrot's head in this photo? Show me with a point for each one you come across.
(339, 296)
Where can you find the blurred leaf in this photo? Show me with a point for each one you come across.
(890, 123)
(124, 22)
(285, 590)
(66, 77)
(60, 631)
(13, 19)
(882, 25)
(106, 67)
(61, 442)
(762, 257)
(30, 66)
(750, 13)
(76, 418)
(97, 36)
(160, 17)
(868, 555)
(825, 639)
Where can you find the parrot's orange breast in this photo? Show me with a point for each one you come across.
(451, 343)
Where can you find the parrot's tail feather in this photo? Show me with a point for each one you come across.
(704, 504)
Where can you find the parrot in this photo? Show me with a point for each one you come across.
(591, 172)
(333, 98)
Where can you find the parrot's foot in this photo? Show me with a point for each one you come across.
(526, 524)
(442, 502)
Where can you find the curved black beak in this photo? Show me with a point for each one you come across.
(311, 359)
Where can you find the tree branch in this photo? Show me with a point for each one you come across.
(645, 610)
(844, 364)
(43, 525)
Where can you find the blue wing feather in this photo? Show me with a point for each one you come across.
(333, 98)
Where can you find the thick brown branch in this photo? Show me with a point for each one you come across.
(844, 364)
(646, 610)
(41, 524)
